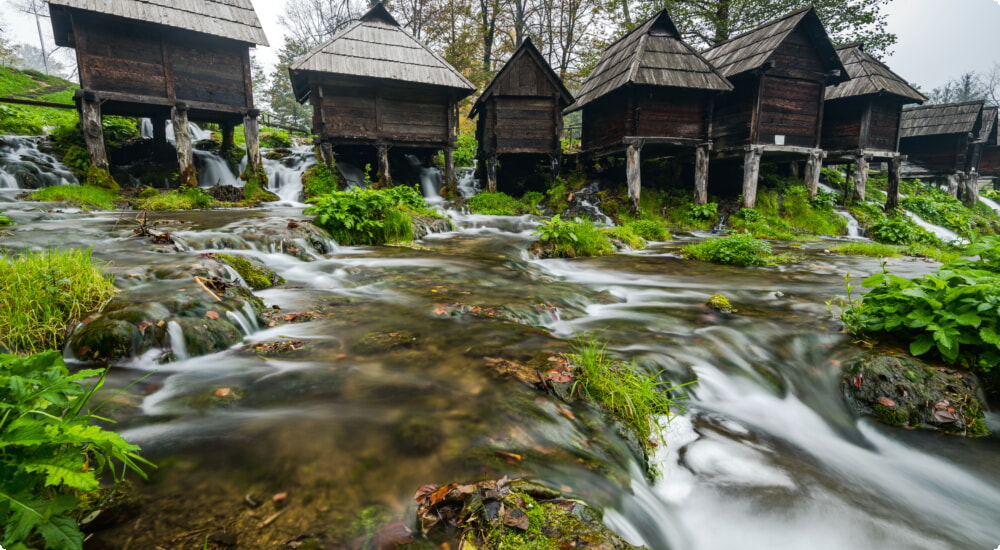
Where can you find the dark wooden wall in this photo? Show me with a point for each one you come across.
(883, 130)
(844, 126)
(989, 165)
(606, 121)
(646, 111)
(941, 153)
(390, 113)
(156, 62)
(790, 107)
(733, 114)
(520, 125)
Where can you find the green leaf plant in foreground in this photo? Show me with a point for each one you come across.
(50, 452)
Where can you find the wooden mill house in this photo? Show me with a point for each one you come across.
(186, 61)
(989, 142)
(779, 71)
(862, 118)
(936, 140)
(373, 84)
(520, 113)
(651, 91)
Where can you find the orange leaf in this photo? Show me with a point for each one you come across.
(423, 493)
(439, 495)
(142, 326)
(222, 392)
(212, 314)
(566, 412)
(885, 401)
(858, 380)
(512, 458)
(561, 377)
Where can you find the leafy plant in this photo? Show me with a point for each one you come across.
(648, 229)
(573, 239)
(532, 199)
(19, 121)
(89, 196)
(51, 449)
(367, 216)
(496, 203)
(735, 249)
(273, 138)
(319, 179)
(705, 211)
(5, 220)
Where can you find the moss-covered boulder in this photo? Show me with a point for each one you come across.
(257, 275)
(106, 340)
(206, 335)
(720, 303)
(903, 391)
(510, 514)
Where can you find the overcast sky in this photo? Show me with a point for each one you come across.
(938, 39)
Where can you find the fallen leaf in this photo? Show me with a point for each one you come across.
(279, 497)
(566, 412)
(143, 325)
(512, 458)
(392, 536)
(439, 495)
(423, 493)
(558, 376)
(222, 392)
(212, 314)
(885, 401)
(161, 323)
(516, 518)
(858, 380)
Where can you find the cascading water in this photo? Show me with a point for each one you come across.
(467, 183)
(431, 179)
(284, 175)
(353, 175)
(24, 166)
(943, 233)
(853, 227)
(991, 203)
(214, 170)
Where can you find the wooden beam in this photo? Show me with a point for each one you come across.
(751, 171)
(247, 76)
(182, 141)
(491, 172)
(755, 115)
(93, 132)
(449, 168)
(634, 175)
(384, 177)
(168, 70)
(892, 193)
(860, 177)
(701, 173)
(18, 101)
(251, 133)
(814, 164)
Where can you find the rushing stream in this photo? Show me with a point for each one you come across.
(767, 456)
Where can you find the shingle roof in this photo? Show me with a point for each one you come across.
(235, 19)
(753, 48)
(949, 118)
(869, 76)
(652, 54)
(527, 49)
(377, 47)
(989, 134)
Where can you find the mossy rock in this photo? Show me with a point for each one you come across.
(106, 340)
(203, 336)
(720, 303)
(101, 178)
(256, 274)
(903, 391)
(384, 342)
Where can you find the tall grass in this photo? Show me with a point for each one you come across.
(89, 196)
(45, 293)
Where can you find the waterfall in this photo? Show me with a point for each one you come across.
(943, 233)
(991, 203)
(354, 175)
(177, 344)
(853, 227)
(284, 175)
(467, 183)
(214, 170)
(24, 166)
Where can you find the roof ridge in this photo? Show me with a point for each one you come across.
(762, 26)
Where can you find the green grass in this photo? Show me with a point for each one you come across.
(930, 251)
(649, 229)
(619, 387)
(28, 119)
(627, 236)
(89, 196)
(495, 203)
(55, 289)
(874, 250)
(740, 249)
(187, 199)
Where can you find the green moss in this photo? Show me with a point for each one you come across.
(492, 203)
(256, 276)
(186, 199)
(255, 188)
(97, 177)
(894, 416)
(5, 221)
(720, 303)
(874, 250)
(319, 179)
(88, 196)
(625, 235)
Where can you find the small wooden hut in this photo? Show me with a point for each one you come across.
(520, 112)
(936, 140)
(650, 90)
(985, 149)
(163, 59)
(374, 84)
(779, 71)
(862, 117)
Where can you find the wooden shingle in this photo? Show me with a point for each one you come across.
(869, 76)
(652, 54)
(949, 118)
(233, 19)
(529, 51)
(988, 134)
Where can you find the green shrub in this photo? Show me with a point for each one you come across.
(275, 139)
(320, 180)
(573, 239)
(191, 198)
(705, 211)
(735, 249)
(19, 121)
(57, 288)
(52, 450)
(626, 236)
(532, 199)
(367, 216)
(89, 197)
(648, 229)
(495, 203)
(633, 397)
(5, 220)
(466, 148)
(897, 229)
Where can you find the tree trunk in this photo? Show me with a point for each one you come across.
(326, 150)
(384, 177)
(860, 177)
(491, 173)
(701, 174)
(182, 141)
(634, 174)
(953, 185)
(251, 131)
(751, 170)
(93, 132)
(892, 194)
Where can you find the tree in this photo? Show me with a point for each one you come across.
(969, 86)
(28, 56)
(312, 22)
(38, 8)
(279, 94)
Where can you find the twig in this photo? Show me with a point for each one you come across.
(201, 283)
(270, 519)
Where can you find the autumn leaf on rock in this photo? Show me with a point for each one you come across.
(212, 314)
(885, 401)
(143, 325)
(558, 376)
(512, 458)
(424, 493)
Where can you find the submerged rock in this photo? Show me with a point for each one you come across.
(904, 391)
(384, 341)
(510, 514)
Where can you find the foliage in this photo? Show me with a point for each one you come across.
(874, 250)
(626, 236)
(705, 211)
(532, 199)
(574, 239)
(466, 148)
(29, 119)
(275, 139)
(319, 179)
(649, 229)
(825, 199)
(953, 311)
(190, 198)
(676, 209)
(52, 449)
(833, 175)
(735, 249)
(939, 208)
(367, 216)
(5, 220)
(633, 397)
(496, 203)
(98, 177)
(90, 197)
(19, 121)
(57, 288)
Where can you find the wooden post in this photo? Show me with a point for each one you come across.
(251, 131)
(812, 172)
(449, 168)
(860, 177)
(384, 177)
(970, 195)
(326, 151)
(701, 173)
(751, 170)
(633, 171)
(93, 131)
(892, 194)
(491, 173)
(794, 169)
(182, 141)
(556, 163)
(228, 137)
(953, 185)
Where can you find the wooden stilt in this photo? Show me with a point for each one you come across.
(860, 177)
(795, 169)
(384, 177)
(814, 164)
(491, 173)
(892, 193)
(953, 185)
(751, 171)
(93, 131)
(701, 173)
(449, 168)
(251, 132)
(326, 151)
(556, 165)
(228, 137)
(970, 195)
(633, 171)
(182, 141)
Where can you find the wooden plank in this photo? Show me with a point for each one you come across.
(18, 101)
